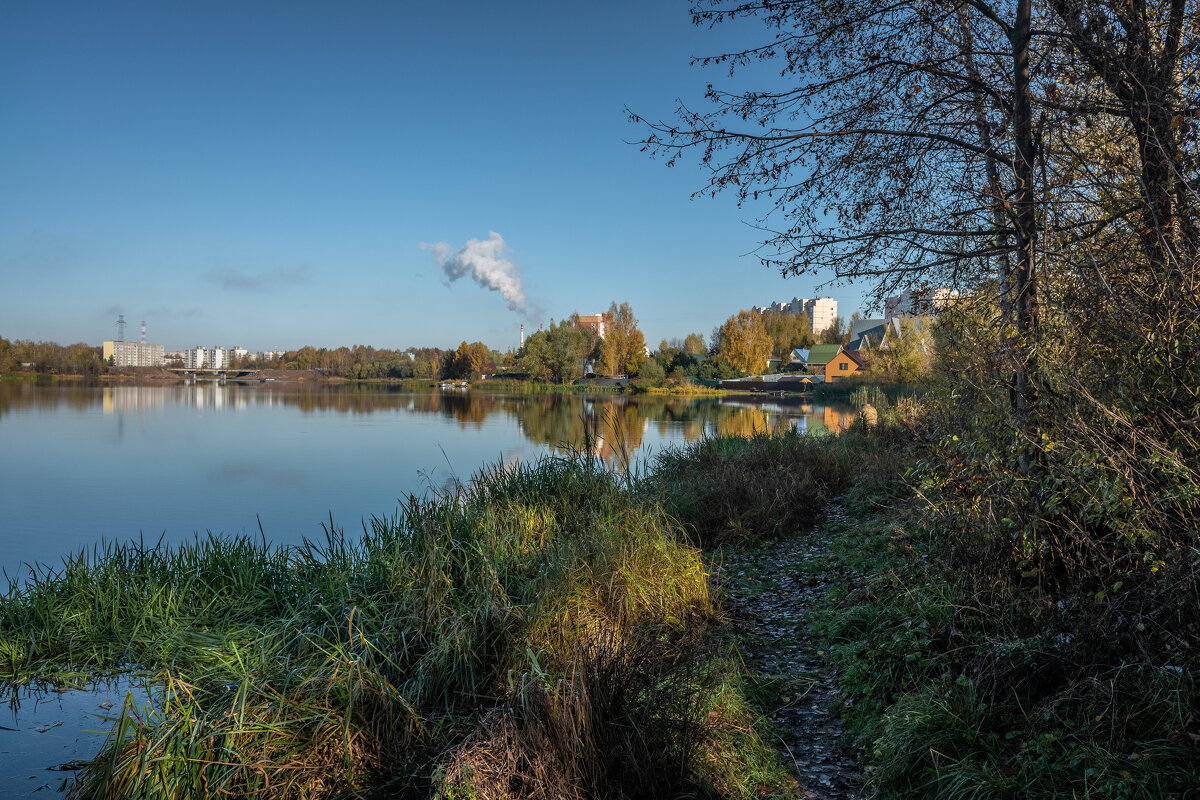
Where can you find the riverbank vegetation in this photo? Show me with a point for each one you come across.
(987, 653)
(1026, 624)
(541, 633)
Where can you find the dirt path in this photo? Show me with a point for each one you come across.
(769, 591)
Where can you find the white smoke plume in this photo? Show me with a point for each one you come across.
(484, 261)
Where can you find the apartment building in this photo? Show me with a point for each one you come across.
(821, 310)
(134, 354)
(196, 358)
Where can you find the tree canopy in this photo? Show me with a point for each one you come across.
(1040, 158)
(744, 343)
(624, 347)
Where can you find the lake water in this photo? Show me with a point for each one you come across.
(83, 464)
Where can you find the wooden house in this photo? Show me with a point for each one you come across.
(844, 364)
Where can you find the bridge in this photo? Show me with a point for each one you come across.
(193, 372)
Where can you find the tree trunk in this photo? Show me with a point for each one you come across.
(1025, 307)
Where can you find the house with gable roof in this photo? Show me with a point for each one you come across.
(832, 361)
(821, 354)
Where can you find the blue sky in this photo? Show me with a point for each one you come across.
(264, 174)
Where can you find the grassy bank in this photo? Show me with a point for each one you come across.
(975, 665)
(972, 664)
(955, 689)
(547, 632)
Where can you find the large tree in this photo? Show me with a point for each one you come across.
(624, 347)
(928, 142)
(556, 354)
(744, 343)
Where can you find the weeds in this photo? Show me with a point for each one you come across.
(544, 613)
(740, 490)
(969, 672)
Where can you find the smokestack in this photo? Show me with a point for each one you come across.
(143, 331)
(120, 327)
(522, 334)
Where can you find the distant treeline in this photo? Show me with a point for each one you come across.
(363, 362)
(50, 358)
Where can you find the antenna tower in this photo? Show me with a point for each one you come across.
(143, 331)
(120, 327)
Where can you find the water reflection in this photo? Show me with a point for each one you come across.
(88, 463)
(557, 420)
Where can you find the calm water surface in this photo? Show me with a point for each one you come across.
(83, 464)
(86, 464)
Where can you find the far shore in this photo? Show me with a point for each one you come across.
(158, 376)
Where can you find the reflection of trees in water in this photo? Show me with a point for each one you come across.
(614, 427)
(746, 424)
(611, 425)
(468, 408)
(46, 396)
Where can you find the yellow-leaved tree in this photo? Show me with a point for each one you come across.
(624, 346)
(745, 343)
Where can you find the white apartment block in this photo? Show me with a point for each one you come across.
(218, 358)
(134, 354)
(821, 310)
(919, 301)
(196, 358)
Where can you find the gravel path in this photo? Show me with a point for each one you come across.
(769, 591)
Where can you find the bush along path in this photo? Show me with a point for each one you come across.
(771, 591)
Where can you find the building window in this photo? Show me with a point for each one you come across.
(843, 366)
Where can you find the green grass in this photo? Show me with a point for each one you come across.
(961, 685)
(544, 603)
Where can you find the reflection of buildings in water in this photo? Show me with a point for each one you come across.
(120, 399)
(838, 421)
(210, 394)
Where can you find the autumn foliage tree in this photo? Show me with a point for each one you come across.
(624, 347)
(744, 342)
(788, 331)
(557, 353)
(467, 361)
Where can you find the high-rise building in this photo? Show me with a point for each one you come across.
(822, 311)
(196, 358)
(134, 354)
